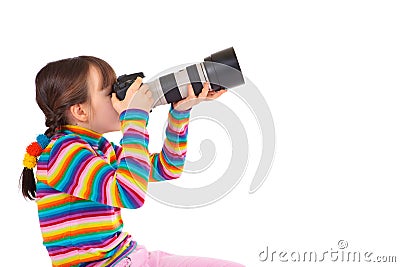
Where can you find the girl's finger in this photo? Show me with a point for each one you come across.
(213, 95)
(205, 90)
(223, 91)
(191, 91)
(134, 87)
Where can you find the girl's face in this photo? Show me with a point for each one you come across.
(103, 117)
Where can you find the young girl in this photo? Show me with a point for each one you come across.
(83, 180)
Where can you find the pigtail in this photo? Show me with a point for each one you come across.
(27, 179)
(28, 183)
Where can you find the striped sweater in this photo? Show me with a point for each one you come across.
(83, 181)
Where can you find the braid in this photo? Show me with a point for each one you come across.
(54, 121)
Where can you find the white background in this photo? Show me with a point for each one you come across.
(329, 71)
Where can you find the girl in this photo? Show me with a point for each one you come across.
(82, 180)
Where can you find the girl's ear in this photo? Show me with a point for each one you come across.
(79, 112)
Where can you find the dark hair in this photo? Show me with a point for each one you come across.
(60, 85)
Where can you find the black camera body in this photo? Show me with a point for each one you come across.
(124, 82)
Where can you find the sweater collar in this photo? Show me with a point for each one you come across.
(92, 137)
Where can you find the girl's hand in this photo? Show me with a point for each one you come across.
(192, 100)
(137, 96)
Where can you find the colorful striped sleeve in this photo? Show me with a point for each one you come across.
(169, 163)
(76, 169)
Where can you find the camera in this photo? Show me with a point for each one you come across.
(221, 70)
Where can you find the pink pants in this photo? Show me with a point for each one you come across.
(140, 257)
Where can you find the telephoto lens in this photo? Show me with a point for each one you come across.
(221, 70)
